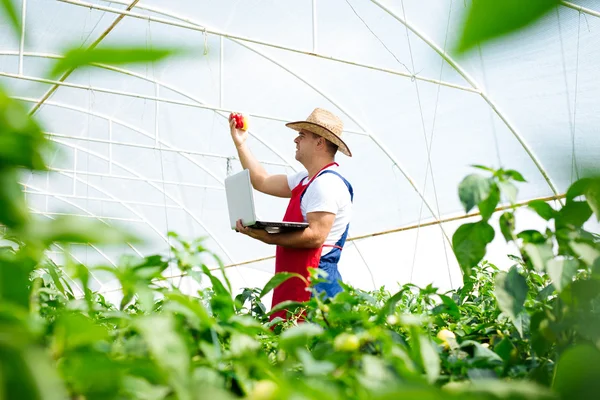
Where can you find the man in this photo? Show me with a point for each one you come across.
(319, 196)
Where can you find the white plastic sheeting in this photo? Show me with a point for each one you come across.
(148, 146)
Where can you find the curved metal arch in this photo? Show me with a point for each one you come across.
(64, 199)
(74, 258)
(475, 85)
(443, 55)
(186, 25)
(381, 146)
(124, 124)
(166, 86)
(174, 90)
(91, 245)
(95, 187)
(129, 170)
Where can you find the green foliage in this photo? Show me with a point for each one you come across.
(85, 57)
(530, 333)
(488, 19)
(8, 8)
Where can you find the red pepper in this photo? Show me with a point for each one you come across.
(241, 121)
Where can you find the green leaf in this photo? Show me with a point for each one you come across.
(522, 323)
(13, 208)
(581, 293)
(469, 243)
(168, 349)
(278, 279)
(545, 292)
(592, 195)
(574, 213)
(247, 324)
(543, 209)
(22, 143)
(75, 330)
(488, 19)
(314, 367)
(221, 302)
(83, 57)
(192, 309)
(149, 268)
(511, 292)
(92, 374)
(499, 389)
(515, 175)
(509, 190)
(430, 358)
(590, 188)
(596, 269)
(505, 350)
(472, 190)
(488, 206)
(70, 229)
(8, 7)
(241, 345)
(507, 225)
(588, 253)
(44, 376)
(539, 340)
(217, 285)
(299, 336)
(288, 305)
(480, 353)
(562, 271)
(390, 304)
(539, 254)
(14, 282)
(483, 167)
(448, 306)
(577, 373)
(531, 236)
(139, 388)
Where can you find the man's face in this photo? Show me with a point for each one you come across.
(306, 143)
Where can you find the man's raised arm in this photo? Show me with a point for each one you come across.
(274, 185)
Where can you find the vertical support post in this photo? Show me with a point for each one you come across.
(74, 171)
(314, 25)
(221, 75)
(110, 146)
(22, 43)
(47, 189)
(156, 90)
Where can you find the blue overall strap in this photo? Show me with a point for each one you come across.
(330, 260)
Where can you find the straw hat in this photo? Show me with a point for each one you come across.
(324, 124)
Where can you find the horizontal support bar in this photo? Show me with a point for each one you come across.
(580, 8)
(152, 98)
(167, 149)
(104, 200)
(134, 178)
(98, 217)
(413, 226)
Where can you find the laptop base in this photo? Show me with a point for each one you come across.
(279, 227)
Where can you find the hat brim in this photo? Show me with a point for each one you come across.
(323, 132)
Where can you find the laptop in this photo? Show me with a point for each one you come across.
(240, 201)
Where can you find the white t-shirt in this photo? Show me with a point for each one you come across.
(327, 193)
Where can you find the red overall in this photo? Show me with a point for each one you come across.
(296, 260)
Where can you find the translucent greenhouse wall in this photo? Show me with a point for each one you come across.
(148, 146)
